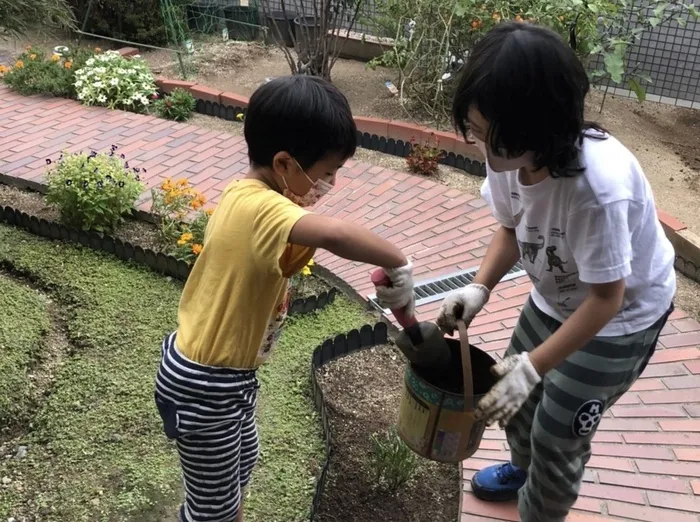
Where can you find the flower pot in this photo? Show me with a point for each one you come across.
(281, 27)
(205, 16)
(242, 22)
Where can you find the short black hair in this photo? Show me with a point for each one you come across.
(305, 116)
(531, 87)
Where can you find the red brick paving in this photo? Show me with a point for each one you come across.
(646, 455)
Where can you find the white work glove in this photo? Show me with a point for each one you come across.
(464, 305)
(400, 293)
(518, 378)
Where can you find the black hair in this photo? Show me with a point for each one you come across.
(303, 115)
(531, 87)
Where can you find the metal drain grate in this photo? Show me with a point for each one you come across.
(438, 288)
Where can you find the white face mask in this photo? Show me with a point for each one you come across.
(318, 189)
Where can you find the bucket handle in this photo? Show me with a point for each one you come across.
(467, 374)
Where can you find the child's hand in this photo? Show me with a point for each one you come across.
(518, 378)
(463, 305)
(399, 294)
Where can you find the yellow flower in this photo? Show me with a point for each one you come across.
(3, 69)
(239, 116)
(182, 183)
(55, 58)
(32, 56)
(167, 185)
(185, 238)
(209, 211)
(306, 271)
(19, 64)
(196, 249)
(197, 202)
(310, 263)
(68, 65)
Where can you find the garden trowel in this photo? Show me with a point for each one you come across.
(421, 342)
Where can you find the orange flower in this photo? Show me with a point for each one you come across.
(196, 249)
(476, 24)
(518, 18)
(98, 50)
(561, 18)
(19, 64)
(209, 211)
(167, 185)
(68, 65)
(3, 69)
(32, 56)
(197, 202)
(182, 183)
(496, 16)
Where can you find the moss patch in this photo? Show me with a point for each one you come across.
(95, 446)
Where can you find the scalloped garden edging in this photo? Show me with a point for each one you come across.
(126, 251)
(366, 337)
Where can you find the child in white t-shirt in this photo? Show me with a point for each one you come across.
(576, 208)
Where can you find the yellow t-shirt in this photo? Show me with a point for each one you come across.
(236, 296)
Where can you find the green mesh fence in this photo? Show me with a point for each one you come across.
(229, 19)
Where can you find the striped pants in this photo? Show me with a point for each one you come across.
(210, 412)
(551, 435)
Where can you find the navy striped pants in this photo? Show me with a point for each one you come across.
(210, 412)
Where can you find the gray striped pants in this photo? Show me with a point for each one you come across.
(551, 435)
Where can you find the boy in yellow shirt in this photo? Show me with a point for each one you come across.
(299, 132)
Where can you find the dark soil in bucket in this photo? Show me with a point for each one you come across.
(363, 394)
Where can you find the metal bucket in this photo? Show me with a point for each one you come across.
(436, 418)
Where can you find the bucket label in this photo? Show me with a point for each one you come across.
(446, 444)
(414, 418)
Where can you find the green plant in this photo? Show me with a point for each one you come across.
(36, 73)
(392, 461)
(114, 81)
(434, 38)
(171, 203)
(177, 106)
(424, 158)
(17, 15)
(95, 191)
(134, 20)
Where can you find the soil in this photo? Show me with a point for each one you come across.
(363, 393)
(306, 286)
(33, 203)
(666, 139)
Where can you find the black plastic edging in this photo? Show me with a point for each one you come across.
(165, 264)
(687, 268)
(354, 341)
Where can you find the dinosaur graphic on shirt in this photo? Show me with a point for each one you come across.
(530, 250)
(553, 260)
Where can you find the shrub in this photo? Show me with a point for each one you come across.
(134, 20)
(114, 81)
(177, 106)
(392, 461)
(95, 191)
(17, 15)
(172, 203)
(36, 73)
(424, 159)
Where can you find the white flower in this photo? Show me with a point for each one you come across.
(89, 72)
(81, 96)
(102, 98)
(100, 70)
(99, 84)
(136, 96)
(114, 82)
(91, 61)
(144, 101)
(136, 57)
(79, 83)
(121, 71)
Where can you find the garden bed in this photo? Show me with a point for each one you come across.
(88, 443)
(362, 392)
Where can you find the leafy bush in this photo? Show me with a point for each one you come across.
(424, 158)
(17, 15)
(172, 203)
(434, 38)
(35, 73)
(134, 20)
(114, 81)
(95, 191)
(177, 106)
(393, 461)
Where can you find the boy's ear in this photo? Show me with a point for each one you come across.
(283, 164)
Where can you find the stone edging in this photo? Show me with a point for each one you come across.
(124, 250)
(354, 341)
(685, 243)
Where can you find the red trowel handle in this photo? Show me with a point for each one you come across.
(379, 278)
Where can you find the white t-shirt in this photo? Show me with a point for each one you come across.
(598, 226)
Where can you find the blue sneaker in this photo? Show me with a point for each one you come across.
(498, 483)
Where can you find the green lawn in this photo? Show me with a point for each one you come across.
(96, 450)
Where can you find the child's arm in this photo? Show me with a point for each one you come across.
(347, 240)
(353, 242)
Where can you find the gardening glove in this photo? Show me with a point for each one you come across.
(399, 294)
(463, 305)
(518, 378)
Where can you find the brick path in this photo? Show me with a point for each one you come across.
(646, 463)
